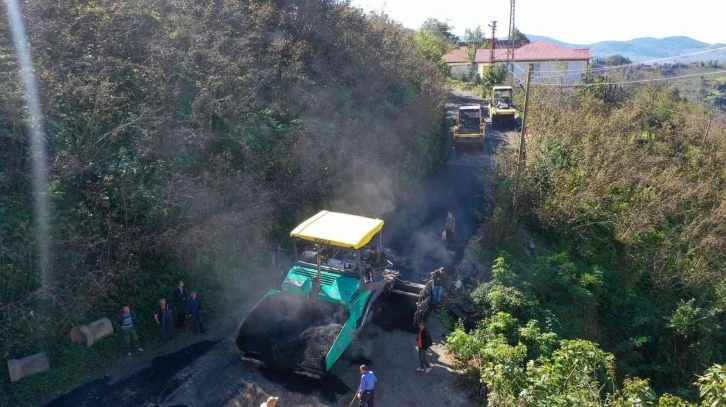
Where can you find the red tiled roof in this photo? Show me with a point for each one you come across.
(536, 51)
(546, 51)
(457, 55)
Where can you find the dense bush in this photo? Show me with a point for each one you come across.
(623, 188)
(520, 361)
(184, 136)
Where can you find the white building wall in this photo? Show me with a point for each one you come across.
(459, 70)
(552, 71)
(546, 71)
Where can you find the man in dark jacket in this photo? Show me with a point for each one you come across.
(163, 318)
(423, 343)
(126, 323)
(194, 310)
(180, 298)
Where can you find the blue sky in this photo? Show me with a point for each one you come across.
(574, 21)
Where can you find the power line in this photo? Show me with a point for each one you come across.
(606, 68)
(562, 85)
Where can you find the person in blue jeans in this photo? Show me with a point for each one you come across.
(437, 277)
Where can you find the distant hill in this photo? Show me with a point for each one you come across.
(648, 48)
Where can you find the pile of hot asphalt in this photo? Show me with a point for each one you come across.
(288, 332)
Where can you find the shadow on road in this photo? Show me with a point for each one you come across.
(152, 383)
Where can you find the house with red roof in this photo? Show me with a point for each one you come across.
(550, 62)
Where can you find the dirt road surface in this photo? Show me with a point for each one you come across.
(209, 372)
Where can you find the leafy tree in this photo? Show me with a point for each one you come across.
(441, 29)
(519, 36)
(474, 42)
(572, 376)
(713, 386)
(434, 42)
(493, 76)
(616, 60)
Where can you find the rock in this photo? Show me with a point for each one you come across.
(92, 332)
(469, 266)
(19, 368)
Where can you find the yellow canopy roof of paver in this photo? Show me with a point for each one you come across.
(338, 229)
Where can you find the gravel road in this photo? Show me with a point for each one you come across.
(209, 372)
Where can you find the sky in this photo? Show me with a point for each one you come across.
(569, 20)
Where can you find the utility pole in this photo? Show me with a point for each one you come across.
(510, 46)
(494, 39)
(520, 158)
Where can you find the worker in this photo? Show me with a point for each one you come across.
(437, 279)
(423, 343)
(377, 259)
(194, 311)
(450, 228)
(369, 276)
(279, 260)
(180, 297)
(365, 390)
(126, 321)
(271, 402)
(163, 318)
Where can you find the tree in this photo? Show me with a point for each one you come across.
(617, 59)
(474, 41)
(439, 28)
(433, 47)
(494, 75)
(519, 36)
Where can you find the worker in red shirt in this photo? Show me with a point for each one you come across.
(423, 343)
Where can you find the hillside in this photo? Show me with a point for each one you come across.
(648, 48)
(611, 265)
(185, 138)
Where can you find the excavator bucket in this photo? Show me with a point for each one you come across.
(291, 333)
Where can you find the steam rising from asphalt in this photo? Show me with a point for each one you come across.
(35, 129)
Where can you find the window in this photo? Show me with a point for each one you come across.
(536, 69)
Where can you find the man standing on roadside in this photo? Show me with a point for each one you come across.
(163, 318)
(423, 343)
(365, 390)
(450, 228)
(437, 279)
(126, 321)
(180, 298)
(194, 310)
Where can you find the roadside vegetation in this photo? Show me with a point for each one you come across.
(700, 84)
(184, 138)
(608, 283)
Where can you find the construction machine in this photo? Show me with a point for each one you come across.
(326, 298)
(501, 106)
(470, 126)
